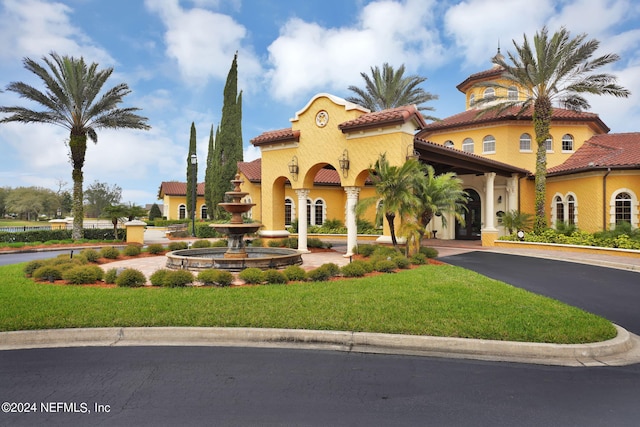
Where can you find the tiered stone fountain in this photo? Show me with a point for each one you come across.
(237, 256)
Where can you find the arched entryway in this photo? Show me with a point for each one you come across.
(471, 230)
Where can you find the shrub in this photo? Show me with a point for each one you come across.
(222, 243)
(273, 276)
(366, 250)
(90, 254)
(366, 265)
(385, 266)
(159, 277)
(256, 243)
(319, 274)
(295, 273)
(215, 277)
(276, 243)
(178, 278)
(251, 275)
(155, 249)
(132, 250)
(47, 272)
(176, 246)
(131, 278)
(109, 252)
(331, 268)
(353, 269)
(418, 259)
(314, 242)
(32, 266)
(401, 261)
(429, 252)
(201, 244)
(385, 251)
(83, 274)
(110, 276)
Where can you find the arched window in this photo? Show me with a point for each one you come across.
(449, 144)
(525, 142)
(472, 100)
(288, 211)
(512, 93)
(489, 93)
(623, 208)
(549, 144)
(467, 145)
(319, 212)
(182, 212)
(489, 144)
(309, 212)
(571, 210)
(559, 209)
(567, 143)
(203, 211)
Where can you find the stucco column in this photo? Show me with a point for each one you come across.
(512, 193)
(302, 219)
(489, 231)
(352, 224)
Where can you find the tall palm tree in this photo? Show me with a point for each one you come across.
(395, 185)
(554, 68)
(439, 195)
(71, 101)
(390, 88)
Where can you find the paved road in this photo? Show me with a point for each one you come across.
(151, 386)
(611, 293)
(6, 259)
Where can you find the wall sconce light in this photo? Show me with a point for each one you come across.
(411, 153)
(499, 199)
(344, 163)
(293, 168)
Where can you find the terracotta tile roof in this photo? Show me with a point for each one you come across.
(472, 118)
(391, 116)
(252, 170)
(173, 188)
(615, 151)
(280, 135)
(490, 74)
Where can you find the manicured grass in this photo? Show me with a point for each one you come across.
(430, 300)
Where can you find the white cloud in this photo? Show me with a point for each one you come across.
(203, 42)
(251, 152)
(307, 57)
(34, 28)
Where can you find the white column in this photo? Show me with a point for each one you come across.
(512, 193)
(489, 203)
(352, 224)
(302, 219)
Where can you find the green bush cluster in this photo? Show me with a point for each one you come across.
(295, 273)
(323, 273)
(251, 275)
(215, 277)
(171, 278)
(222, 243)
(109, 252)
(289, 242)
(256, 243)
(418, 259)
(53, 268)
(131, 278)
(273, 276)
(47, 272)
(353, 269)
(155, 248)
(110, 276)
(83, 274)
(132, 250)
(429, 252)
(622, 237)
(314, 242)
(90, 254)
(97, 234)
(176, 246)
(385, 266)
(201, 244)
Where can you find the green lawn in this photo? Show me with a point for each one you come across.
(430, 300)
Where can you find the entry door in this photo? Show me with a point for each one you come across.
(471, 230)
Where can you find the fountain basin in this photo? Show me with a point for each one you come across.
(206, 258)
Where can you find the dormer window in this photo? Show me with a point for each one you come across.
(489, 93)
(512, 93)
(472, 100)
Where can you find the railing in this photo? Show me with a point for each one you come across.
(25, 228)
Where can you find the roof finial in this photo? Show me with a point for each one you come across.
(498, 57)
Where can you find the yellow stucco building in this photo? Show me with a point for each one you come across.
(317, 168)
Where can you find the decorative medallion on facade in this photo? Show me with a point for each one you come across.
(322, 118)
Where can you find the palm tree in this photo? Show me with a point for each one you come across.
(395, 185)
(389, 89)
(71, 101)
(439, 195)
(555, 68)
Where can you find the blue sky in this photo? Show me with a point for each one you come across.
(175, 56)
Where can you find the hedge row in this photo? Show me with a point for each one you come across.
(49, 235)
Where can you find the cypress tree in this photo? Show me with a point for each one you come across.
(192, 170)
(228, 147)
(209, 177)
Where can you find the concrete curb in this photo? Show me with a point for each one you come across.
(624, 349)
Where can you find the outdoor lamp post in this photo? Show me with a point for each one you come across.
(194, 194)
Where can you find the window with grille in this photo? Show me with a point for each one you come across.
(559, 209)
(549, 144)
(525, 142)
(449, 144)
(319, 212)
(182, 212)
(623, 208)
(467, 145)
(288, 211)
(567, 143)
(512, 93)
(571, 210)
(489, 144)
